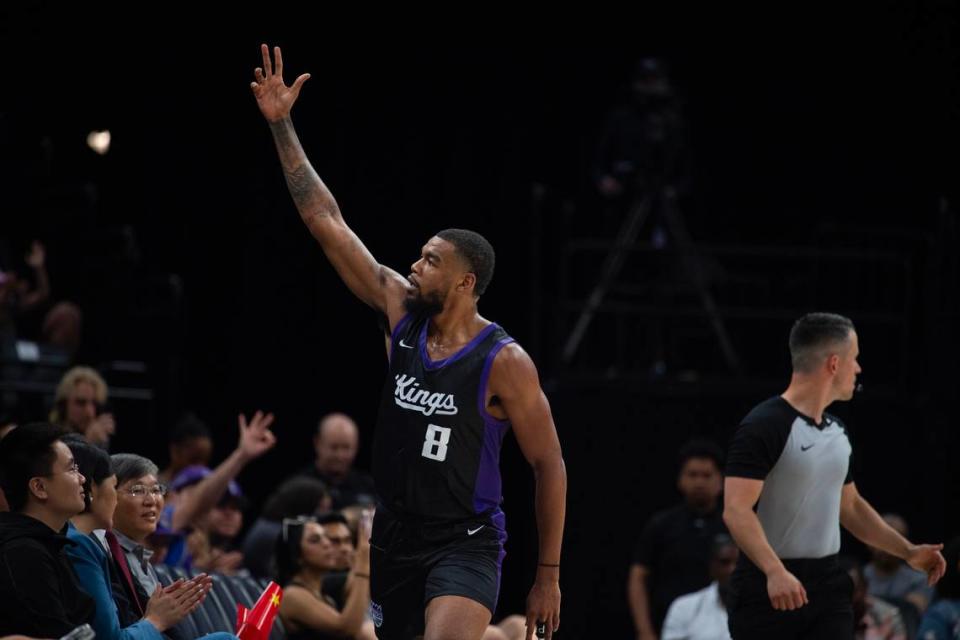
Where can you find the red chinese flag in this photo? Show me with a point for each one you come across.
(242, 613)
(256, 623)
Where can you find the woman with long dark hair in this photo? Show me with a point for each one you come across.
(304, 557)
(297, 495)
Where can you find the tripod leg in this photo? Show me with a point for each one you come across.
(626, 237)
(693, 265)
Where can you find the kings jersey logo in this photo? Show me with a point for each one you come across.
(409, 395)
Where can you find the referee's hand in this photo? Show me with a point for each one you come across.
(927, 558)
(785, 591)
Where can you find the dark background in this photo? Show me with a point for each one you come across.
(824, 177)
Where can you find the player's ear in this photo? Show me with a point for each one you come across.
(467, 283)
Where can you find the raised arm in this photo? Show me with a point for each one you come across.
(514, 381)
(255, 440)
(380, 287)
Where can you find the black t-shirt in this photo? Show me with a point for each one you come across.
(675, 546)
(297, 632)
(334, 587)
(436, 451)
(356, 488)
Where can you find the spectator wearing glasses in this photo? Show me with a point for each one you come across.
(116, 617)
(39, 592)
(295, 496)
(140, 499)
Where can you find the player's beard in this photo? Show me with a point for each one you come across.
(421, 304)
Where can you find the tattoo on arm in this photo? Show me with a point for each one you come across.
(318, 209)
(310, 195)
(302, 183)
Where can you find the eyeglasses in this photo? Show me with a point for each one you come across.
(73, 469)
(289, 523)
(141, 490)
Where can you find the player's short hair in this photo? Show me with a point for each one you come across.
(476, 251)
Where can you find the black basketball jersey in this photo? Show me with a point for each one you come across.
(436, 450)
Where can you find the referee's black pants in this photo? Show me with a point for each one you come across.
(827, 616)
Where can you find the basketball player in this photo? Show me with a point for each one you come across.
(457, 383)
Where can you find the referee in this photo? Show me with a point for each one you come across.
(791, 460)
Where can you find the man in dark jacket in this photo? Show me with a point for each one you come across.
(40, 595)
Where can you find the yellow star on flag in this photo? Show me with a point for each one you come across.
(275, 600)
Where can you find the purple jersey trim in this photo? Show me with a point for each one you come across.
(499, 521)
(485, 378)
(487, 488)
